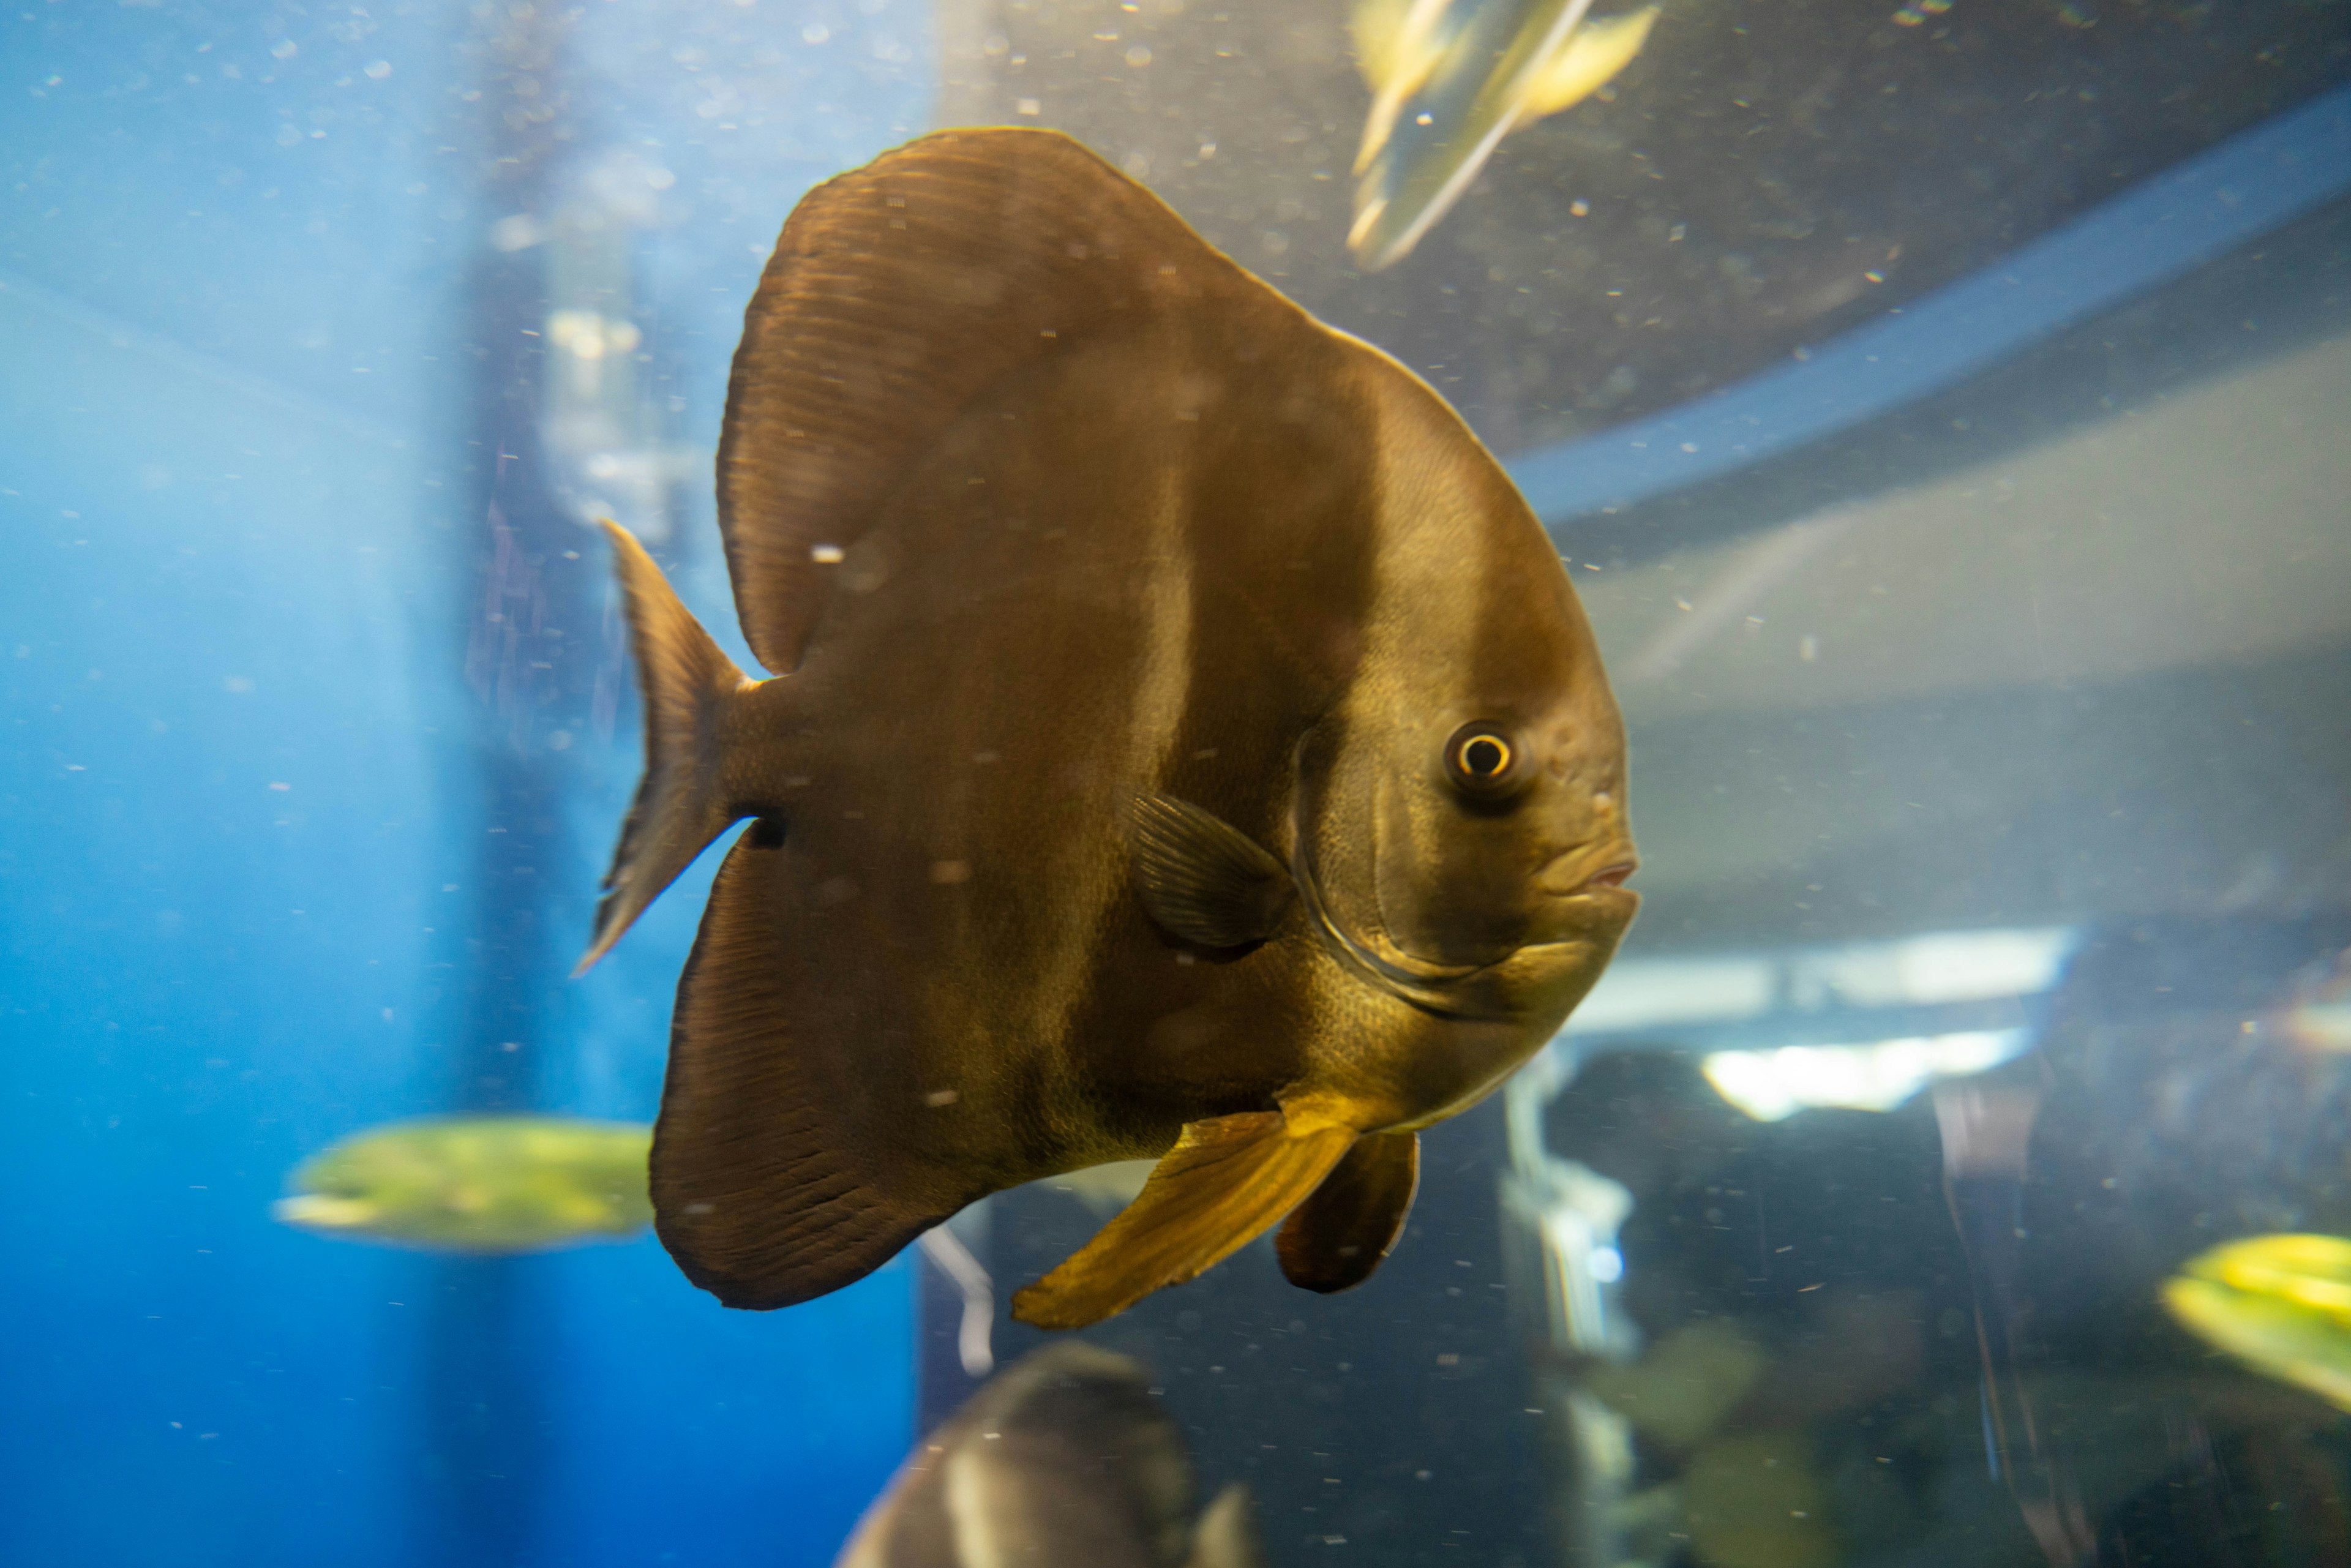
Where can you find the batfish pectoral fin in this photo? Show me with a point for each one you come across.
(1226, 1181)
(1334, 1239)
(1204, 880)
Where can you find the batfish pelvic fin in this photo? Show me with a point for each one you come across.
(1229, 1180)
(689, 687)
(1334, 1239)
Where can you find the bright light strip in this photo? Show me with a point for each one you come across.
(1933, 969)
(1771, 1085)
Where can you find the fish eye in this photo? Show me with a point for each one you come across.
(1483, 759)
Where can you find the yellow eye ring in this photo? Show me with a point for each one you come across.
(1486, 757)
(1482, 759)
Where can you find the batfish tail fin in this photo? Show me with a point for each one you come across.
(688, 684)
(1226, 1181)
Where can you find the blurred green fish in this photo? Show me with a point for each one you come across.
(2281, 1303)
(1449, 79)
(478, 1184)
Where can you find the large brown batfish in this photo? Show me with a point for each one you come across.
(1185, 743)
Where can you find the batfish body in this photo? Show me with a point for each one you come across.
(1063, 1458)
(1183, 742)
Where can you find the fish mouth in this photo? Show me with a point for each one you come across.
(1457, 990)
(1462, 990)
(1567, 877)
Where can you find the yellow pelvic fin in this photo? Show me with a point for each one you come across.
(1224, 1183)
(1593, 53)
(1335, 1239)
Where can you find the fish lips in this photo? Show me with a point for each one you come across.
(1580, 901)
(1585, 893)
(1584, 871)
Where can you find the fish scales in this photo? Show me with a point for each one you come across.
(1092, 628)
(1103, 542)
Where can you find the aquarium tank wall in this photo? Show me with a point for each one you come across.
(1935, 408)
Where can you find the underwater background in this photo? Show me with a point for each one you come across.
(1939, 416)
(294, 846)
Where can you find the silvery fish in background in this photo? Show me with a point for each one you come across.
(1449, 79)
(1184, 742)
(1063, 1460)
(478, 1184)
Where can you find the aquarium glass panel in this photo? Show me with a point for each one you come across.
(864, 783)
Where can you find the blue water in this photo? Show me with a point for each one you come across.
(1992, 726)
(242, 805)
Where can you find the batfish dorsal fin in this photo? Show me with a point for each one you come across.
(1224, 1183)
(898, 293)
(1202, 879)
(1335, 1239)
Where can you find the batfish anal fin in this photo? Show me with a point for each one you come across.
(763, 1191)
(1227, 1182)
(1202, 879)
(1335, 1239)
(687, 684)
(898, 293)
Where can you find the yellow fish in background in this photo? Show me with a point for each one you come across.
(1449, 79)
(2281, 1303)
(478, 1184)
